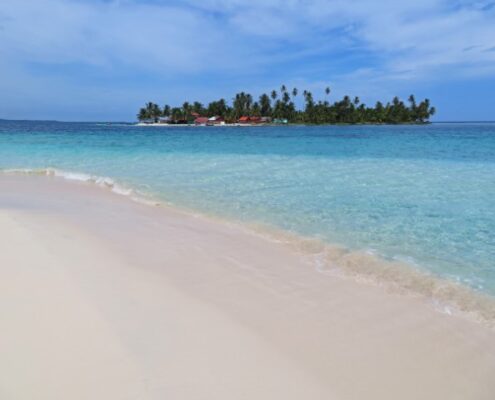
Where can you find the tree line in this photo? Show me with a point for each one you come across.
(281, 105)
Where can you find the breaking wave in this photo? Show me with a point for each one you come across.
(100, 181)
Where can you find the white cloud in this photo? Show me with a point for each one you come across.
(214, 34)
(420, 40)
(414, 35)
(96, 33)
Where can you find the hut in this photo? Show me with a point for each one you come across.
(201, 121)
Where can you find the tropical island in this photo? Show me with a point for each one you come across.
(280, 108)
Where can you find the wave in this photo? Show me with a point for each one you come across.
(396, 276)
(366, 266)
(100, 181)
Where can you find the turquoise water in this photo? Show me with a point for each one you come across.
(422, 194)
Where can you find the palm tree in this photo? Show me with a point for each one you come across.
(219, 108)
(294, 95)
(248, 102)
(256, 109)
(309, 98)
(265, 106)
(413, 109)
(327, 92)
(281, 105)
(242, 104)
(197, 107)
(153, 111)
(166, 110)
(177, 114)
(286, 98)
(186, 109)
(143, 114)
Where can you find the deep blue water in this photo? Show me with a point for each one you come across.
(424, 194)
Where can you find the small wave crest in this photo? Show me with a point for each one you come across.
(100, 181)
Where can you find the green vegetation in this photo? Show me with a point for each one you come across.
(281, 106)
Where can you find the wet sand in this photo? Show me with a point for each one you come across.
(103, 297)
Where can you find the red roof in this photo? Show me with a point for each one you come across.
(201, 120)
(244, 119)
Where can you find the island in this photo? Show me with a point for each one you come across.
(279, 107)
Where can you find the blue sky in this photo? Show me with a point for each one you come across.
(102, 59)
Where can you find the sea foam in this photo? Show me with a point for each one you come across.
(100, 181)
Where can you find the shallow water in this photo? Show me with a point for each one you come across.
(420, 194)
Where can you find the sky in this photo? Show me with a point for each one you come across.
(100, 60)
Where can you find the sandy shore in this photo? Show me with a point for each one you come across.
(105, 298)
(237, 124)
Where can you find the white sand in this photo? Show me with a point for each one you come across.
(104, 298)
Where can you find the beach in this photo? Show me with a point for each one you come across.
(105, 297)
(280, 200)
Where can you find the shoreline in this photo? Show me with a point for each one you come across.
(156, 302)
(236, 124)
(444, 295)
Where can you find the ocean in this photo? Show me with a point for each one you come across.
(419, 195)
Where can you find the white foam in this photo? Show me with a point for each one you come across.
(101, 181)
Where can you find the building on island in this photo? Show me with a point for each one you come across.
(216, 120)
(201, 120)
(254, 120)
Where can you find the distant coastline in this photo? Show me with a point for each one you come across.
(134, 123)
(271, 124)
(279, 108)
